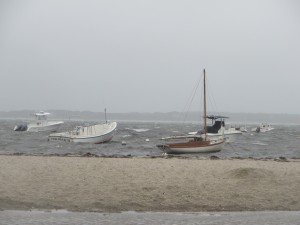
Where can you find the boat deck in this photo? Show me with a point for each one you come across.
(88, 131)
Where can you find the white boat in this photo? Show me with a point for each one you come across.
(94, 134)
(243, 129)
(218, 129)
(264, 127)
(230, 134)
(193, 143)
(41, 124)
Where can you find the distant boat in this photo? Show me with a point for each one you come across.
(41, 124)
(94, 134)
(264, 127)
(193, 143)
(242, 129)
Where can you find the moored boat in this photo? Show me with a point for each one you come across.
(193, 143)
(94, 134)
(218, 129)
(41, 124)
(264, 127)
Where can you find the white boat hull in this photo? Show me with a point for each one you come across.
(215, 146)
(44, 126)
(266, 130)
(230, 136)
(91, 134)
(264, 127)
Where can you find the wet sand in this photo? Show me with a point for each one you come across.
(148, 184)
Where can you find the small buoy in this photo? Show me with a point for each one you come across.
(123, 142)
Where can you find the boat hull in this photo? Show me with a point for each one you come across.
(86, 137)
(263, 128)
(193, 147)
(230, 136)
(39, 127)
(266, 130)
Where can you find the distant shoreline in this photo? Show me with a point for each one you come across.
(103, 184)
(240, 119)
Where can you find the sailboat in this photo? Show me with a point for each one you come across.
(193, 143)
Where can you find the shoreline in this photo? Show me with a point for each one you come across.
(166, 156)
(157, 184)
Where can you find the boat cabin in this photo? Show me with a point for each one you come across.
(218, 122)
(41, 115)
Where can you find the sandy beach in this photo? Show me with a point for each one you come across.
(148, 184)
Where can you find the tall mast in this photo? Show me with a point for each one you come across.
(204, 114)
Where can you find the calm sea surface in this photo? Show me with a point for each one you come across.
(142, 137)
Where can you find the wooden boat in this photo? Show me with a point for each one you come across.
(193, 143)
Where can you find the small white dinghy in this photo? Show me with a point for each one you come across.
(94, 134)
(41, 124)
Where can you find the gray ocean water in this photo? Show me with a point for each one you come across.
(142, 137)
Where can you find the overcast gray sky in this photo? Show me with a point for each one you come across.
(146, 55)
